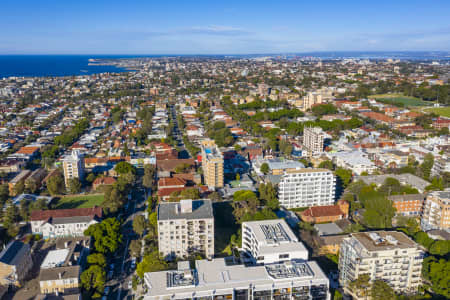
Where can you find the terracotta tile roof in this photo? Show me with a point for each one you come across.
(104, 181)
(166, 192)
(322, 211)
(170, 182)
(41, 215)
(28, 150)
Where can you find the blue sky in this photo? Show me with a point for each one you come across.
(221, 27)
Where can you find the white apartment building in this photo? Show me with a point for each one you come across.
(436, 211)
(356, 161)
(271, 241)
(73, 166)
(313, 140)
(186, 228)
(307, 187)
(389, 256)
(222, 278)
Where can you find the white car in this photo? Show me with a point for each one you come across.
(130, 285)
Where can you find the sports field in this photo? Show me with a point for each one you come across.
(442, 111)
(400, 99)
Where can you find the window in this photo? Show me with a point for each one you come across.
(283, 256)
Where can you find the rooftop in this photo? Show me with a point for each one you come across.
(201, 209)
(383, 240)
(55, 258)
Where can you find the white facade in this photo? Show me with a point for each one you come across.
(389, 256)
(356, 161)
(55, 229)
(307, 187)
(271, 241)
(313, 140)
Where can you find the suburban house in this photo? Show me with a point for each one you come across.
(64, 222)
(328, 213)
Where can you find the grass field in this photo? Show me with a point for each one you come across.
(442, 111)
(401, 99)
(79, 201)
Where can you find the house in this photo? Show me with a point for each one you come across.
(329, 244)
(64, 222)
(103, 182)
(328, 213)
(15, 263)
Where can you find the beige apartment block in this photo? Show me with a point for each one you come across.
(212, 164)
(186, 228)
(313, 140)
(73, 166)
(389, 256)
(436, 211)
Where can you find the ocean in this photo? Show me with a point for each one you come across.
(53, 65)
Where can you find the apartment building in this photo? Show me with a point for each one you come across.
(73, 166)
(271, 241)
(15, 263)
(186, 228)
(408, 205)
(311, 99)
(222, 278)
(436, 211)
(64, 222)
(313, 140)
(389, 256)
(212, 164)
(307, 187)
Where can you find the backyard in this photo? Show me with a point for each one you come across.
(78, 201)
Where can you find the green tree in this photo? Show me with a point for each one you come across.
(19, 187)
(124, 167)
(106, 235)
(90, 177)
(427, 165)
(440, 248)
(423, 239)
(135, 248)
(97, 259)
(139, 224)
(149, 176)
(327, 164)
(437, 271)
(93, 280)
(74, 185)
(344, 175)
(55, 184)
(31, 185)
(381, 290)
(265, 168)
(361, 286)
(268, 195)
(113, 200)
(151, 263)
(4, 193)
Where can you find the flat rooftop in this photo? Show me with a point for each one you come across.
(55, 258)
(217, 275)
(383, 240)
(201, 209)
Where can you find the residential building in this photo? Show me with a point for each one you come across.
(408, 205)
(271, 241)
(307, 187)
(406, 179)
(64, 222)
(311, 99)
(313, 140)
(389, 256)
(356, 161)
(222, 279)
(436, 211)
(326, 213)
(73, 166)
(212, 164)
(185, 228)
(60, 271)
(21, 177)
(330, 244)
(15, 263)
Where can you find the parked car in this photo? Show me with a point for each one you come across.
(106, 291)
(130, 285)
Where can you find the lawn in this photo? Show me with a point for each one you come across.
(442, 111)
(79, 201)
(400, 99)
